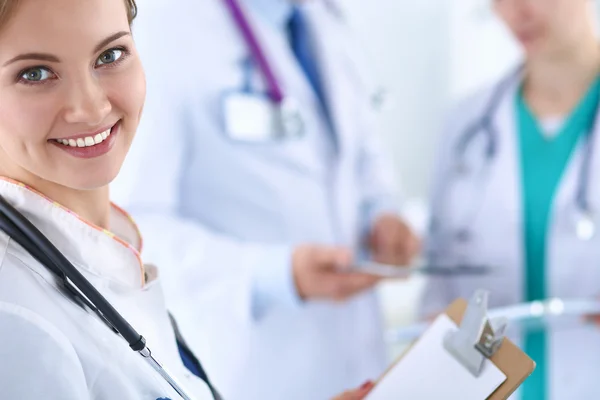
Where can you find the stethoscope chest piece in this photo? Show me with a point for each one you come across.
(585, 226)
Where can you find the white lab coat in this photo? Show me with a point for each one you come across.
(573, 266)
(50, 348)
(222, 214)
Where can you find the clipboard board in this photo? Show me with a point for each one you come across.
(477, 343)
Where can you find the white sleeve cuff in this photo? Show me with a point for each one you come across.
(273, 283)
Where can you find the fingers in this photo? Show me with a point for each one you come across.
(321, 273)
(358, 394)
(342, 286)
(334, 258)
(592, 319)
(392, 241)
(408, 249)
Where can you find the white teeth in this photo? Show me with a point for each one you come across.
(86, 141)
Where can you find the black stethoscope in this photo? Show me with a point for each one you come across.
(81, 291)
(585, 225)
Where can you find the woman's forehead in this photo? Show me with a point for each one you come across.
(62, 23)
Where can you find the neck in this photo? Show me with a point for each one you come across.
(554, 84)
(91, 205)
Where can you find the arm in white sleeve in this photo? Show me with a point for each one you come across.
(37, 361)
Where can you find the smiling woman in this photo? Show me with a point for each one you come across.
(66, 122)
(72, 89)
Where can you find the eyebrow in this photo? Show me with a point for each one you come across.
(52, 58)
(109, 39)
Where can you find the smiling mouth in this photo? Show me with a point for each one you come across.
(86, 141)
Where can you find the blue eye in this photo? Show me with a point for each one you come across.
(37, 74)
(110, 56)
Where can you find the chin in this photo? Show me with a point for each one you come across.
(93, 180)
(96, 173)
(533, 49)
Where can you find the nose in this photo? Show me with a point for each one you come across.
(87, 102)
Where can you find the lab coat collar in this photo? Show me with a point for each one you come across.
(276, 12)
(113, 255)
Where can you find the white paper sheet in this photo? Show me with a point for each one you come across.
(428, 371)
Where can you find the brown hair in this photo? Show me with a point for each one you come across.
(8, 7)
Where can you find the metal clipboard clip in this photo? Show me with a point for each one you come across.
(478, 338)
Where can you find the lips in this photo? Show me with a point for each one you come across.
(89, 145)
(527, 36)
(86, 140)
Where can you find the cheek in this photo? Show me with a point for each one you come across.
(561, 18)
(26, 118)
(129, 101)
(506, 13)
(571, 22)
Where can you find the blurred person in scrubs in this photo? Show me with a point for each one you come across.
(517, 184)
(261, 218)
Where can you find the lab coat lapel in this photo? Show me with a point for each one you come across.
(342, 92)
(567, 189)
(594, 177)
(503, 199)
(570, 258)
(572, 273)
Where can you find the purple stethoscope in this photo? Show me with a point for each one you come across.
(289, 117)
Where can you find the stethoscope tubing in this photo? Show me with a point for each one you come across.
(22, 231)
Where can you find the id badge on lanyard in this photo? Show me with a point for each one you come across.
(252, 116)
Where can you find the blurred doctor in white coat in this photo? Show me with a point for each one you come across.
(517, 188)
(264, 224)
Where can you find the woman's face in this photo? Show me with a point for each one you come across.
(72, 90)
(545, 26)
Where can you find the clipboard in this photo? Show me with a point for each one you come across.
(478, 341)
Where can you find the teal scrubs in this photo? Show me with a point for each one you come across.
(543, 162)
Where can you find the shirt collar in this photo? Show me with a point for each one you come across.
(113, 255)
(276, 12)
